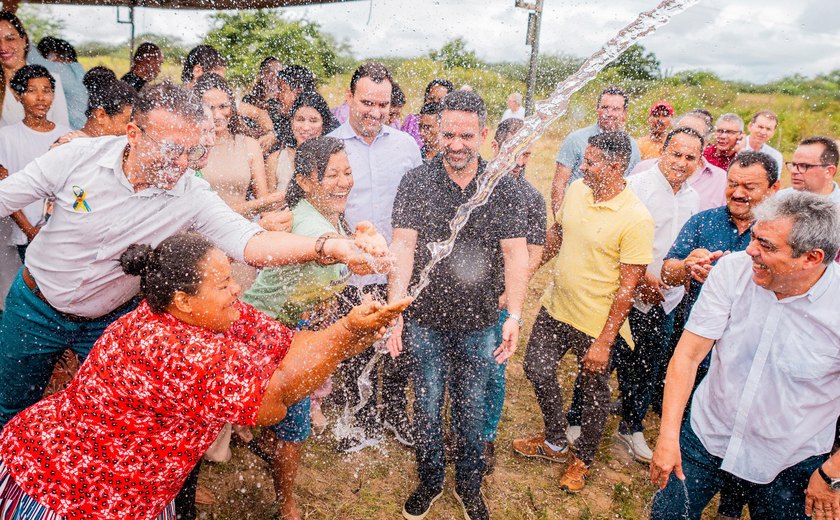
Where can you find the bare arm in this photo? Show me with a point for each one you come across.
(403, 243)
(313, 356)
(679, 381)
(23, 223)
(515, 253)
(697, 264)
(562, 174)
(271, 170)
(257, 114)
(553, 241)
(265, 200)
(535, 254)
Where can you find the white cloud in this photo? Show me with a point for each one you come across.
(755, 40)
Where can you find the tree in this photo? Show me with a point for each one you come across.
(39, 22)
(637, 64)
(245, 38)
(454, 54)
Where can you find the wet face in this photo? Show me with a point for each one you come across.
(727, 135)
(269, 79)
(681, 158)
(595, 168)
(149, 66)
(163, 144)
(436, 94)
(221, 108)
(12, 47)
(38, 98)
(660, 121)
(369, 106)
(428, 126)
(746, 188)
(286, 96)
(762, 129)
(329, 195)
(521, 159)
(611, 112)
(306, 124)
(809, 172)
(114, 124)
(213, 307)
(394, 114)
(774, 267)
(460, 138)
(207, 139)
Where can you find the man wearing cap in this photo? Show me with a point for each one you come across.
(659, 120)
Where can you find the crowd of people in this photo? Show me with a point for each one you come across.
(219, 263)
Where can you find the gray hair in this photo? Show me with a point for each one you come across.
(516, 96)
(816, 222)
(735, 118)
(707, 123)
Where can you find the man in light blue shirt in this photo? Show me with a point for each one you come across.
(612, 114)
(379, 156)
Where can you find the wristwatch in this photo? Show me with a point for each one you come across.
(517, 318)
(833, 483)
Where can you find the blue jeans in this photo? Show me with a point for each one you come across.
(33, 336)
(782, 499)
(463, 361)
(496, 388)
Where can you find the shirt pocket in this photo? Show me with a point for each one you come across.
(808, 355)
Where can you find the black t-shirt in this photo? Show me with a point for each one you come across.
(535, 207)
(461, 294)
(134, 80)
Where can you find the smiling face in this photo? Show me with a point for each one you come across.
(681, 159)
(460, 138)
(306, 124)
(369, 106)
(213, 306)
(161, 147)
(611, 112)
(37, 98)
(727, 135)
(329, 195)
(746, 188)
(774, 266)
(219, 104)
(762, 130)
(12, 47)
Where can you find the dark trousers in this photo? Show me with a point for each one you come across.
(550, 340)
(185, 500)
(395, 372)
(782, 499)
(638, 369)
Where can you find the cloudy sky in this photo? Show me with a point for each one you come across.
(755, 40)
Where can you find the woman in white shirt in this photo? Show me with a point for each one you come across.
(14, 49)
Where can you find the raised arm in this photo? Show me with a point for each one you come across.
(403, 244)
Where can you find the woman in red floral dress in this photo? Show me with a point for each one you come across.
(159, 384)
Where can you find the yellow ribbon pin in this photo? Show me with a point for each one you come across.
(80, 204)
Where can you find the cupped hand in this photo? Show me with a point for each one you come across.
(369, 320)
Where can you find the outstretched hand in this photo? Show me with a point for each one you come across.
(367, 254)
(369, 320)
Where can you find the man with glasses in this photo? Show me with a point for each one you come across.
(729, 131)
(612, 115)
(111, 192)
(813, 168)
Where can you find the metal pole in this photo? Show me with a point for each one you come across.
(535, 52)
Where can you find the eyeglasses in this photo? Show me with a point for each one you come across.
(721, 131)
(803, 167)
(173, 152)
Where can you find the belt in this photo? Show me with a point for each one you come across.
(30, 283)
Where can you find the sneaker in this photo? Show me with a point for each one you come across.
(636, 445)
(536, 447)
(403, 430)
(474, 507)
(574, 478)
(489, 457)
(572, 434)
(418, 504)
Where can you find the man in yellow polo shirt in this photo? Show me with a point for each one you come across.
(607, 242)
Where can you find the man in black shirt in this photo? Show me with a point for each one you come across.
(145, 65)
(450, 327)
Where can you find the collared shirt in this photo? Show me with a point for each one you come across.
(722, 160)
(97, 215)
(597, 237)
(670, 211)
(713, 230)
(709, 182)
(834, 196)
(573, 147)
(149, 400)
(377, 170)
(462, 293)
(772, 394)
(769, 150)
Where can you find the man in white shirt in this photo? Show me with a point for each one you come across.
(379, 155)
(762, 128)
(515, 110)
(671, 202)
(813, 168)
(111, 192)
(764, 417)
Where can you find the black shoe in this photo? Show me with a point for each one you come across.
(402, 428)
(418, 504)
(489, 457)
(473, 506)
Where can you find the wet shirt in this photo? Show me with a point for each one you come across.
(291, 293)
(597, 238)
(772, 394)
(573, 147)
(97, 215)
(461, 294)
(147, 403)
(712, 229)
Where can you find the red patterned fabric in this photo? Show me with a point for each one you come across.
(720, 159)
(146, 404)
